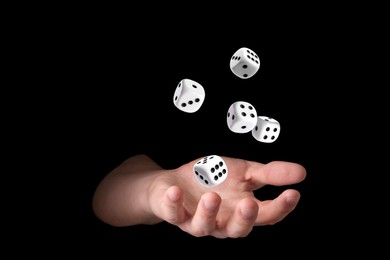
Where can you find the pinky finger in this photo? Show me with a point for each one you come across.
(172, 206)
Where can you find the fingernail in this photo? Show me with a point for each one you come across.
(247, 213)
(210, 205)
(291, 200)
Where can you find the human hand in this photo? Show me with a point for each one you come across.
(229, 209)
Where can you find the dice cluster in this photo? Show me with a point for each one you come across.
(241, 117)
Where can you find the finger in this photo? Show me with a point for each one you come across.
(273, 211)
(244, 217)
(276, 173)
(204, 220)
(172, 205)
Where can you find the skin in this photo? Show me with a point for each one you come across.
(139, 191)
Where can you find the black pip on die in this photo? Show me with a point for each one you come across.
(210, 170)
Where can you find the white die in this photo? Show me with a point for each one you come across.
(267, 129)
(210, 170)
(241, 117)
(189, 96)
(244, 63)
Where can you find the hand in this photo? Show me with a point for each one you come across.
(229, 209)
(139, 191)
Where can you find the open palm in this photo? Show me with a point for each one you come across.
(229, 209)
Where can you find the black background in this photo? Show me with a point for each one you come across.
(111, 98)
(125, 96)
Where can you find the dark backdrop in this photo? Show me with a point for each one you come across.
(112, 95)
